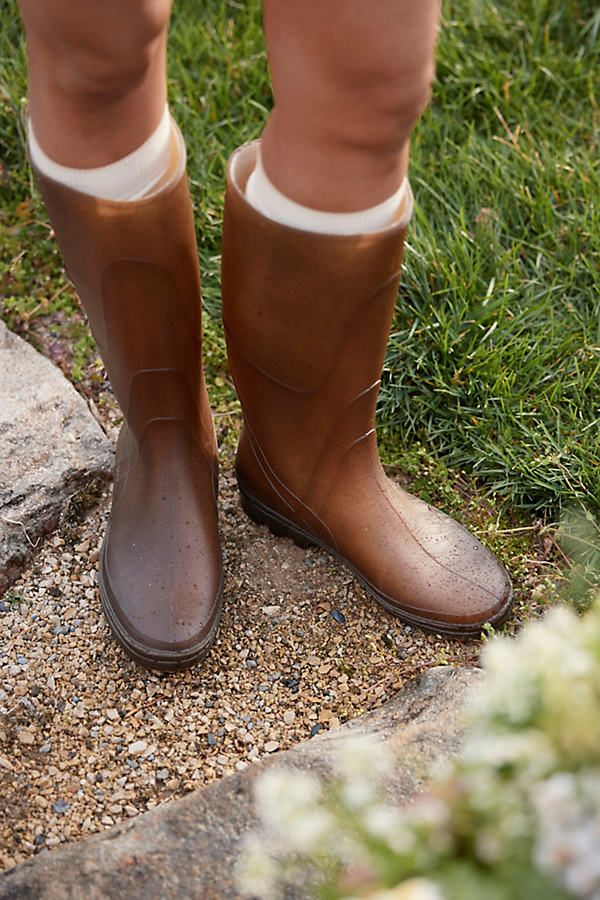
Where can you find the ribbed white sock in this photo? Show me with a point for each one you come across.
(130, 178)
(262, 194)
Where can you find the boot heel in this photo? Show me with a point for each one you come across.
(276, 524)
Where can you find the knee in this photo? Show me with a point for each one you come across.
(97, 55)
(103, 71)
(380, 107)
(365, 108)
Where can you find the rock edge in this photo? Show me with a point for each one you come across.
(52, 451)
(189, 848)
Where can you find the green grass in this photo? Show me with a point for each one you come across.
(495, 357)
(494, 361)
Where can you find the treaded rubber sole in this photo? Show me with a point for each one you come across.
(282, 527)
(150, 657)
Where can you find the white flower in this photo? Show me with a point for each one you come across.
(414, 889)
(257, 871)
(508, 691)
(528, 750)
(433, 812)
(548, 679)
(388, 824)
(363, 757)
(362, 762)
(358, 793)
(489, 846)
(568, 838)
(311, 832)
(528, 776)
(284, 795)
(290, 806)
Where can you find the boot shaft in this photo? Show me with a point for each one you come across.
(307, 318)
(135, 268)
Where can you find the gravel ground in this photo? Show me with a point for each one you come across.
(88, 739)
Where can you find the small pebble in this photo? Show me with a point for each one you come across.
(271, 611)
(136, 748)
(271, 746)
(60, 806)
(289, 716)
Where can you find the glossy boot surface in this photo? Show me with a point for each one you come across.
(307, 318)
(135, 268)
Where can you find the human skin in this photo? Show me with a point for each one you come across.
(350, 81)
(97, 76)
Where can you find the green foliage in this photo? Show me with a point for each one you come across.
(581, 539)
(463, 881)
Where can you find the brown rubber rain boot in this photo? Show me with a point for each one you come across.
(307, 318)
(135, 267)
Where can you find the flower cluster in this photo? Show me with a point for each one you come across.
(517, 815)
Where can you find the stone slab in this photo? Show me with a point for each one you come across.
(189, 848)
(51, 449)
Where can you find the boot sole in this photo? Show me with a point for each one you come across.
(150, 657)
(282, 527)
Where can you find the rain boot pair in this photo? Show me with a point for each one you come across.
(306, 318)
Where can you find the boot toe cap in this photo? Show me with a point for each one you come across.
(457, 584)
(430, 570)
(162, 622)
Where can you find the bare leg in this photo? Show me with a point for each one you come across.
(350, 80)
(97, 86)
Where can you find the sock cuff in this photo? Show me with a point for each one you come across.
(267, 199)
(129, 178)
